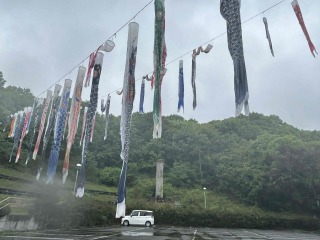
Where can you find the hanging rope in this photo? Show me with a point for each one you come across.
(207, 42)
(113, 35)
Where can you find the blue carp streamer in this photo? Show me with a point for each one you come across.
(58, 131)
(142, 96)
(181, 87)
(230, 11)
(126, 113)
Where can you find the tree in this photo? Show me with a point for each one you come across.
(2, 81)
(258, 160)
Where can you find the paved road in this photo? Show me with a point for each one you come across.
(159, 233)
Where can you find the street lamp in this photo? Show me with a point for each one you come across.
(205, 199)
(75, 183)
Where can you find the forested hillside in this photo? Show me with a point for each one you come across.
(257, 160)
(12, 99)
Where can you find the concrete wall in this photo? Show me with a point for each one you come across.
(16, 223)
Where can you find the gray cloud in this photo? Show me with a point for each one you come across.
(42, 40)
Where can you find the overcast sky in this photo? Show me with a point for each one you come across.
(41, 40)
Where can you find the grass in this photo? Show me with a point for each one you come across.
(65, 190)
(99, 210)
(14, 173)
(17, 185)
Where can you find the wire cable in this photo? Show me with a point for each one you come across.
(211, 40)
(81, 62)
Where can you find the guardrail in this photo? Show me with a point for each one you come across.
(7, 205)
(15, 202)
(14, 214)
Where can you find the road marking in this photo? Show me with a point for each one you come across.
(37, 237)
(112, 235)
(194, 234)
(257, 234)
(62, 234)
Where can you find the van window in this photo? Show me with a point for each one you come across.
(134, 213)
(142, 213)
(148, 213)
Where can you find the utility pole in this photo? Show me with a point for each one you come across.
(159, 180)
(205, 198)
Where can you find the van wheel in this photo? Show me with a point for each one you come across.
(148, 224)
(126, 223)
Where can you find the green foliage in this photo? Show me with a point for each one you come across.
(56, 208)
(144, 188)
(2, 81)
(12, 100)
(110, 176)
(182, 176)
(257, 160)
(70, 212)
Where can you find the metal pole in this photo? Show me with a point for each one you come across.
(75, 183)
(200, 165)
(205, 199)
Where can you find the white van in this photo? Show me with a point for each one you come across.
(139, 217)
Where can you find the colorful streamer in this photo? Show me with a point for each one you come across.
(49, 127)
(19, 118)
(230, 11)
(88, 127)
(159, 58)
(93, 124)
(58, 131)
(17, 131)
(73, 119)
(142, 95)
(265, 21)
(108, 46)
(195, 53)
(106, 108)
(181, 87)
(17, 123)
(42, 122)
(146, 77)
(90, 66)
(65, 125)
(298, 13)
(83, 123)
(193, 79)
(12, 125)
(126, 114)
(103, 107)
(152, 81)
(24, 131)
(38, 105)
(30, 118)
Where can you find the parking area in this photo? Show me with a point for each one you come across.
(159, 233)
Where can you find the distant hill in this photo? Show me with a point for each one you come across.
(12, 100)
(257, 160)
